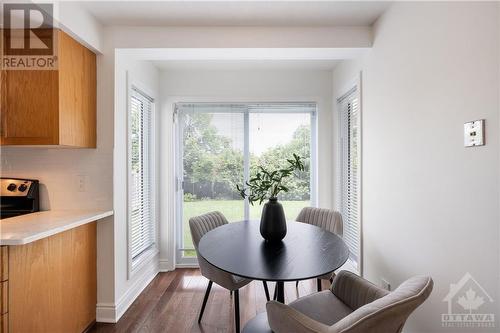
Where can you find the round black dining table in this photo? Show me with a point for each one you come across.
(306, 252)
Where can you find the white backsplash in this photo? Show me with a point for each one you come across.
(59, 171)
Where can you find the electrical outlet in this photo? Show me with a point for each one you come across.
(385, 284)
(81, 183)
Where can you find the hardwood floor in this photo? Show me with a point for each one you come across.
(172, 301)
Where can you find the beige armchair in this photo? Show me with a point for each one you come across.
(200, 225)
(353, 305)
(324, 218)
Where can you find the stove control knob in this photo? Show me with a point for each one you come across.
(22, 188)
(12, 187)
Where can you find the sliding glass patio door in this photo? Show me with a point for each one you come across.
(220, 146)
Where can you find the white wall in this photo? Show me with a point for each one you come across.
(430, 206)
(245, 37)
(242, 86)
(80, 24)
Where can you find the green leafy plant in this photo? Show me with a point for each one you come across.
(268, 184)
(189, 197)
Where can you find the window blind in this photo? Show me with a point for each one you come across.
(274, 107)
(350, 171)
(141, 203)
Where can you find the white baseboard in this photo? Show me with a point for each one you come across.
(135, 290)
(111, 313)
(194, 265)
(166, 266)
(106, 313)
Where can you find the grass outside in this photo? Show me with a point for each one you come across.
(233, 210)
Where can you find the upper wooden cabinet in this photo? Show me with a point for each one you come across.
(52, 107)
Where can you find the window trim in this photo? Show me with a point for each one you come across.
(192, 261)
(355, 83)
(135, 265)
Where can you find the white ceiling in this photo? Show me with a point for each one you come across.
(236, 13)
(230, 65)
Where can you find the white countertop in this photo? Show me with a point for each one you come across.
(28, 228)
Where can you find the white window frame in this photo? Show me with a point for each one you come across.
(136, 264)
(354, 84)
(193, 261)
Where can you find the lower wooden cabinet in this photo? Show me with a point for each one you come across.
(4, 289)
(52, 283)
(4, 323)
(4, 307)
(4, 263)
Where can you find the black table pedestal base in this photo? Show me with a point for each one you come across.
(280, 291)
(258, 324)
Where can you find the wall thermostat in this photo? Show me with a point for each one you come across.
(474, 133)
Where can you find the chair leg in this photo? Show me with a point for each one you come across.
(205, 299)
(318, 281)
(275, 290)
(237, 310)
(296, 284)
(266, 290)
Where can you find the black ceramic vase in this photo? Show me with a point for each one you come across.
(272, 221)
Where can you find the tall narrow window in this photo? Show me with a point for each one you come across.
(350, 172)
(141, 216)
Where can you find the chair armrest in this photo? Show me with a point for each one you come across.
(355, 291)
(285, 319)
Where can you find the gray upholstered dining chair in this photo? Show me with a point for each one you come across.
(352, 305)
(327, 219)
(200, 225)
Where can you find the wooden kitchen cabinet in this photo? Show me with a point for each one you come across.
(4, 289)
(52, 107)
(52, 283)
